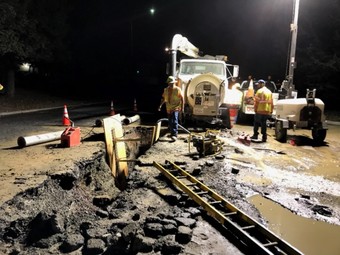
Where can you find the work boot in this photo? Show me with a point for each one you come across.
(254, 137)
(264, 138)
(173, 138)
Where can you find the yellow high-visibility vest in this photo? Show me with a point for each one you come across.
(263, 101)
(173, 98)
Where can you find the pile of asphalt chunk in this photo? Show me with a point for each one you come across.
(81, 211)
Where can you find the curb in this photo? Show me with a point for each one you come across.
(333, 123)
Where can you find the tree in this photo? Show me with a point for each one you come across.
(31, 31)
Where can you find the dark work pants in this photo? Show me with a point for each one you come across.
(260, 120)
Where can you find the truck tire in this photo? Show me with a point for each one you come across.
(225, 117)
(280, 132)
(241, 117)
(319, 135)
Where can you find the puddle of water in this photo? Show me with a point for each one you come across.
(322, 160)
(309, 236)
(257, 180)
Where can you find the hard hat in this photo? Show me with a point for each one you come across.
(1, 87)
(171, 79)
(260, 81)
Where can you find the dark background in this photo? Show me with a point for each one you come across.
(116, 49)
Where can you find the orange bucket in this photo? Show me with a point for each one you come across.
(233, 116)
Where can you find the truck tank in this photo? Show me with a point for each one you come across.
(204, 97)
(204, 94)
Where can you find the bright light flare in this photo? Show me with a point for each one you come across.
(25, 67)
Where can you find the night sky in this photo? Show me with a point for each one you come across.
(111, 38)
(253, 33)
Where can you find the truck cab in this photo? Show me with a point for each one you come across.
(189, 68)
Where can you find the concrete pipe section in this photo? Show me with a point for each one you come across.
(37, 139)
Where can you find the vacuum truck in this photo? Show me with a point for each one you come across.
(204, 82)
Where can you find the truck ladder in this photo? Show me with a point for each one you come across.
(253, 234)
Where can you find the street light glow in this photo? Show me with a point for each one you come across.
(152, 11)
(25, 67)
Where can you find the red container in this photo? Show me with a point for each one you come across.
(70, 137)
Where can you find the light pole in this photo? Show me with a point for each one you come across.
(292, 61)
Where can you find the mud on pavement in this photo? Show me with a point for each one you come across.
(80, 211)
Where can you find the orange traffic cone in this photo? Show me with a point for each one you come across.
(112, 111)
(135, 105)
(250, 91)
(66, 118)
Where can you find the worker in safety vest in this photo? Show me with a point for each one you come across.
(263, 107)
(173, 99)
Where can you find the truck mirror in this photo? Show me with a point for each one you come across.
(236, 71)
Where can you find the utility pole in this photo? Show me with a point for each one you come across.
(292, 61)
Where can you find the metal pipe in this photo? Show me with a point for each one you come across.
(132, 119)
(179, 125)
(173, 62)
(36, 139)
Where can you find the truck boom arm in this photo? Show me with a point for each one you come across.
(183, 45)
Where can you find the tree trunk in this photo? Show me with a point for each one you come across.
(11, 83)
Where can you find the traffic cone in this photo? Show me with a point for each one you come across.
(112, 111)
(250, 91)
(135, 105)
(66, 118)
